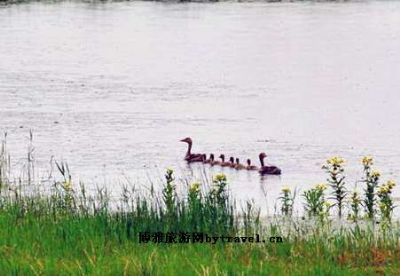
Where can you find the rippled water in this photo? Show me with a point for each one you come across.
(111, 88)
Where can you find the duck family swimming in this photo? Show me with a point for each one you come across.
(233, 163)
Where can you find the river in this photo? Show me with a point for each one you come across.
(111, 88)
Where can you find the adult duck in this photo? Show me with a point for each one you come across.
(251, 167)
(223, 163)
(192, 157)
(267, 169)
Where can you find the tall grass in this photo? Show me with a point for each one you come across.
(68, 230)
(211, 211)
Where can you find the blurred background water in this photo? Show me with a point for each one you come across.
(112, 88)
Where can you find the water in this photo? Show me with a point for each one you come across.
(111, 88)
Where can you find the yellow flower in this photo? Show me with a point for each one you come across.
(321, 186)
(285, 189)
(387, 187)
(375, 174)
(390, 184)
(367, 161)
(327, 204)
(194, 188)
(336, 161)
(67, 185)
(220, 177)
(383, 189)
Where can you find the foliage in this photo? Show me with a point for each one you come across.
(315, 200)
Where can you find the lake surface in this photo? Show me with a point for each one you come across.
(112, 88)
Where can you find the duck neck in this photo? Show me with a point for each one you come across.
(262, 161)
(188, 153)
(223, 158)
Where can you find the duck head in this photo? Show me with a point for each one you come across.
(187, 140)
(262, 155)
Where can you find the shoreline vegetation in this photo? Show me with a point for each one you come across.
(67, 230)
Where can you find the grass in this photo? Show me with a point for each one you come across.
(69, 231)
(100, 245)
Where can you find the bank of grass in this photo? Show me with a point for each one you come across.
(67, 230)
(60, 234)
(99, 244)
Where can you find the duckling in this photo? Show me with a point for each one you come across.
(191, 157)
(251, 167)
(214, 162)
(231, 162)
(267, 169)
(223, 163)
(207, 161)
(239, 166)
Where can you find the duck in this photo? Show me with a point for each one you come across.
(191, 157)
(267, 169)
(223, 163)
(214, 162)
(239, 166)
(232, 162)
(251, 167)
(206, 161)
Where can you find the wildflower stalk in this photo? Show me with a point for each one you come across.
(194, 198)
(287, 201)
(385, 200)
(217, 193)
(315, 200)
(355, 202)
(169, 193)
(371, 178)
(334, 167)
